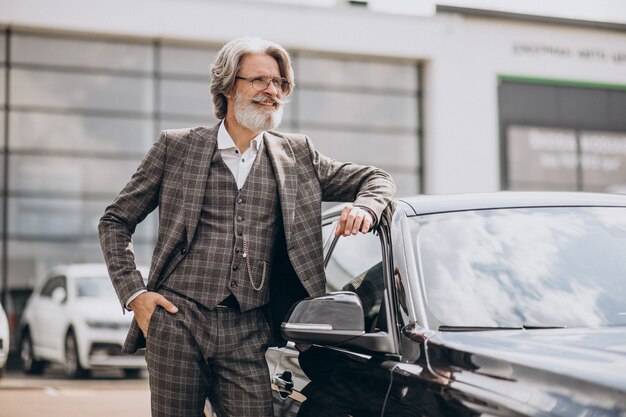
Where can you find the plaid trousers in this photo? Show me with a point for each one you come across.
(199, 353)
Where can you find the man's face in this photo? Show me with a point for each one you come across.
(257, 109)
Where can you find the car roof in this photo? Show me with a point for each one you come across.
(80, 269)
(429, 204)
(84, 269)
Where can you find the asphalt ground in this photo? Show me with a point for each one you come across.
(105, 394)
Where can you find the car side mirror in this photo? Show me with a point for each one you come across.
(333, 319)
(59, 295)
(328, 320)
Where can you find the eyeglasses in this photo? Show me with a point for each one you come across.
(261, 83)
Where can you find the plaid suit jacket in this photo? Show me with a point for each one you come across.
(173, 176)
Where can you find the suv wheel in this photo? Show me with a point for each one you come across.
(71, 364)
(132, 373)
(30, 365)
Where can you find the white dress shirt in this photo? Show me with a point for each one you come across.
(239, 164)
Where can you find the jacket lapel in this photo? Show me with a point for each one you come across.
(201, 149)
(283, 163)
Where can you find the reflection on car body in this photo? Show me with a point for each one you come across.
(74, 318)
(503, 304)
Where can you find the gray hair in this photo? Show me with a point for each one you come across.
(228, 62)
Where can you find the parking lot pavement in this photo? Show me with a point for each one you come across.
(105, 394)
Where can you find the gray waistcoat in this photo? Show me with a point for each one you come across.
(232, 220)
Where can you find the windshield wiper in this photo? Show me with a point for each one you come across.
(445, 328)
(543, 326)
(474, 328)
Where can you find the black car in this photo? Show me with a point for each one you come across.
(503, 304)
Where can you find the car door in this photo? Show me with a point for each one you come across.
(353, 263)
(49, 319)
(287, 378)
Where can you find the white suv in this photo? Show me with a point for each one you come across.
(4, 340)
(74, 318)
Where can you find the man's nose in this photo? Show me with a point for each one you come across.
(271, 89)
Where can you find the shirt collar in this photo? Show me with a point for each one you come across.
(224, 141)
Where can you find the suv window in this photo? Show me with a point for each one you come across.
(52, 284)
(355, 264)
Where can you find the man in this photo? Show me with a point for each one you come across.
(239, 237)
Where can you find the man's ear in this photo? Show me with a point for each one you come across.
(231, 93)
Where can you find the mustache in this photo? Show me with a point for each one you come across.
(272, 100)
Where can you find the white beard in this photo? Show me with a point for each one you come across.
(254, 117)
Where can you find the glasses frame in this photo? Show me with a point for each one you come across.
(280, 83)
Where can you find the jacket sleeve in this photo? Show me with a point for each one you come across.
(137, 199)
(365, 186)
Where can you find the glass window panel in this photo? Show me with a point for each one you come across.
(541, 155)
(63, 132)
(50, 51)
(357, 109)
(186, 97)
(29, 260)
(617, 110)
(182, 124)
(1, 196)
(187, 61)
(367, 148)
(2, 139)
(603, 161)
(289, 109)
(3, 50)
(406, 183)
(541, 186)
(47, 218)
(80, 91)
(75, 176)
(2, 86)
(349, 73)
(287, 126)
(583, 107)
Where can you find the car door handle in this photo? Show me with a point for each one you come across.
(284, 382)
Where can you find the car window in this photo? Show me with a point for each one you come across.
(328, 231)
(94, 287)
(52, 284)
(355, 264)
(535, 267)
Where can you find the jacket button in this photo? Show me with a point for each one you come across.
(235, 268)
(239, 218)
(233, 283)
(183, 251)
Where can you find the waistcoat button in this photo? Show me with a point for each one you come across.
(239, 218)
(240, 200)
(235, 268)
(233, 283)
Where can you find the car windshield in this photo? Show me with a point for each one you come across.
(524, 267)
(96, 287)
